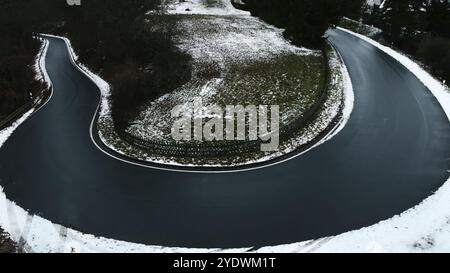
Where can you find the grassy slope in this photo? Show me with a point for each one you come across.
(291, 81)
(231, 66)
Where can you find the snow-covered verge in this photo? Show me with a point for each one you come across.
(331, 118)
(424, 228)
(439, 90)
(104, 87)
(36, 234)
(4, 135)
(41, 74)
(105, 123)
(33, 233)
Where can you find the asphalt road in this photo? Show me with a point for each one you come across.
(393, 153)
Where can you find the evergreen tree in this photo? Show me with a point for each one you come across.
(438, 17)
(353, 9)
(305, 21)
(398, 19)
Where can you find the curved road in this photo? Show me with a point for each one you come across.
(392, 154)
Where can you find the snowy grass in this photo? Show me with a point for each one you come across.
(206, 7)
(339, 101)
(237, 60)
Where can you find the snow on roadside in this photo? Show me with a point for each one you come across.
(439, 90)
(105, 121)
(340, 98)
(41, 74)
(105, 89)
(7, 132)
(36, 234)
(348, 92)
(424, 228)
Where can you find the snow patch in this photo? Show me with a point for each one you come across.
(39, 64)
(7, 132)
(203, 7)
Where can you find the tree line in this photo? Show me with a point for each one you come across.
(419, 27)
(113, 38)
(304, 21)
(17, 52)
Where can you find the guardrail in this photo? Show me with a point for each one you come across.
(22, 109)
(29, 104)
(11, 117)
(194, 149)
